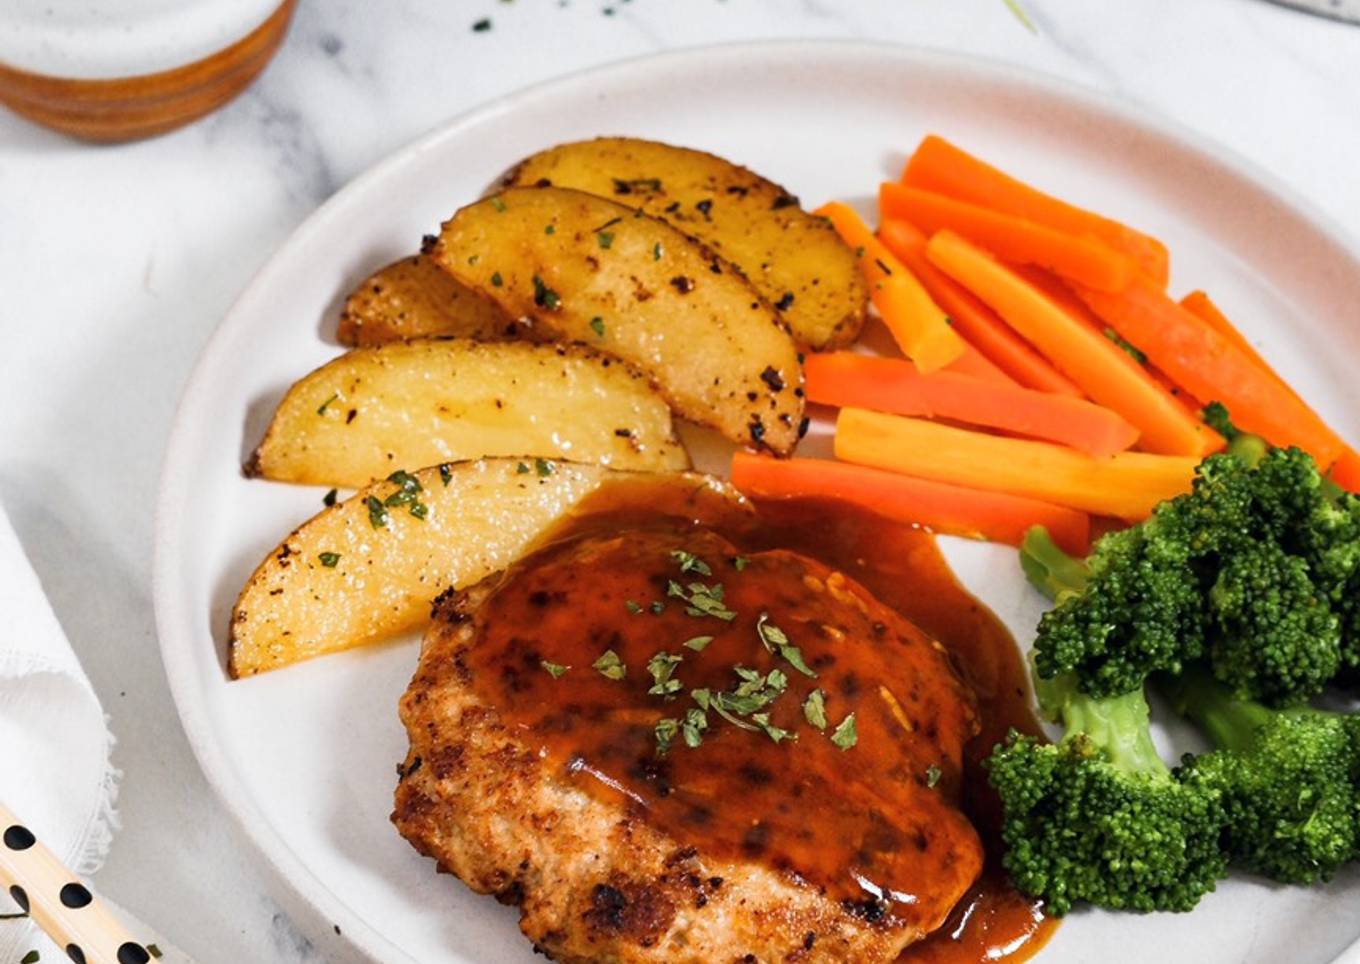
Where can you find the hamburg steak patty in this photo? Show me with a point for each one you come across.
(642, 739)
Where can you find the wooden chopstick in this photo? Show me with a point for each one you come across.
(59, 902)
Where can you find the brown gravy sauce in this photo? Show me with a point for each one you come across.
(903, 567)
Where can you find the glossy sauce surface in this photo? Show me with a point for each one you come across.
(883, 817)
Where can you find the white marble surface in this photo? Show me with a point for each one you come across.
(117, 262)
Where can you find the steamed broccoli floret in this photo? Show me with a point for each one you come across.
(1289, 780)
(1097, 818)
(1257, 569)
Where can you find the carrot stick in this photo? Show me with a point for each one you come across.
(977, 365)
(940, 166)
(887, 385)
(1053, 288)
(1206, 363)
(1087, 260)
(1199, 305)
(972, 319)
(971, 513)
(1127, 485)
(1346, 471)
(1102, 369)
(918, 326)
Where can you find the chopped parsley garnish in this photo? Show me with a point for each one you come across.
(662, 667)
(597, 325)
(377, 512)
(445, 472)
(498, 203)
(555, 670)
(420, 510)
(656, 251)
(640, 185)
(845, 735)
(689, 562)
(814, 709)
(666, 728)
(550, 229)
(496, 280)
(408, 486)
(632, 607)
(610, 666)
(32, 957)
(544, 468)
(521, 469)
(605, 239)
(697, 643)
(932, 775)
(327, 403)
(740, 563)
(657, 607)
(777, 642)
(329, 498)
(701, 600)
(692, 730)
(544, 296)
(482, 26)
(328, 559)
(859, 251)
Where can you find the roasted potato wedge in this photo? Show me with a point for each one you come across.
(363, 570)
(414, 298)
(373, 410)
(794, 259)
(576, 267)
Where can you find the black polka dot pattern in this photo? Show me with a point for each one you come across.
(131, 953)
(18, 837)
(75, 896)
(74, 952)
(20, 897)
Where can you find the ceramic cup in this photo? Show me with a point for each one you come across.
(113, 70)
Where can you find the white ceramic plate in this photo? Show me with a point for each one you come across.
(304, 758)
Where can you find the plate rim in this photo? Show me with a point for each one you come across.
(174, 620)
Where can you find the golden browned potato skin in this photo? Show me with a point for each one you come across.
(414, 298)
(417, 403)
(576, 267)
(794, 259)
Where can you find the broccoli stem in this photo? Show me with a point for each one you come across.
(1119, 725)
(1050, 570)
(1251, 449)
(1231, 723)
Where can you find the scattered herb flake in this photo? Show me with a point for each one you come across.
(692, 730)
(777, 642)
(327, 403)
(814, 709)
(482, 26)
(632, 607)
(521, 469)
(740, 563)
(445, 472)
(544, 468)
(657, 607)
(1133, 351)
(498, 203)
(641, 185)
(845, 736)
(597, 325)
(550, 229)
(859, 251)
(496, 279)
(377, 512)
(328, 559)
(773, 732)
(605, 239)
(656, 251)
(689, 562)
(666, 728)
(697, 643)
(329, 498)
(544, 296)
(1019, 12)
(32, 957)
(610, 666)
(420, 510)
(932, 775)
(154, 951)
(555, 670)
(662, 667)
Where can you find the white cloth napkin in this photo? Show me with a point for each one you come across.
(55, 772)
